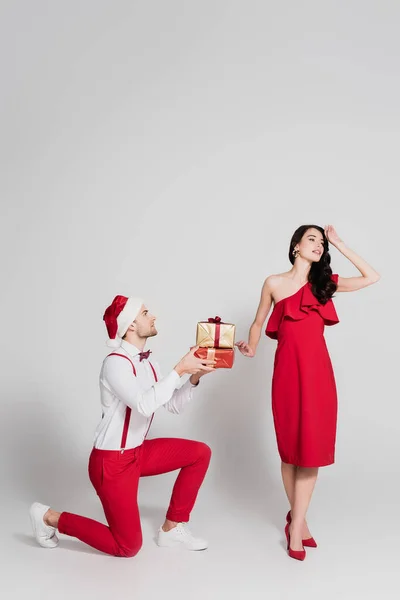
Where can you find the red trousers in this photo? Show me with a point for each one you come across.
(115, 477)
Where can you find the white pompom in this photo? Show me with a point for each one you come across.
(113, 343)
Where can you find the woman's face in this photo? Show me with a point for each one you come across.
(311, 246)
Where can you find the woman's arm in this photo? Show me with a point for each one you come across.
(368, 274)
(249, 349)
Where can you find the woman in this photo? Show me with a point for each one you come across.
(304, 401)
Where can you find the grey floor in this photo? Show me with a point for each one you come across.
(353, 522)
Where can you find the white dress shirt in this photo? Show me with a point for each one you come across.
(120, 388)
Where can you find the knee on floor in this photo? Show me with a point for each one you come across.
(130, 550)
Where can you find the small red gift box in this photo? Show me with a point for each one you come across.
(224, 357)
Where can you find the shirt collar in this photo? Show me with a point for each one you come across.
(130, 348)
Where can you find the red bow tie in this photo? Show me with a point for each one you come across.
(143, 355)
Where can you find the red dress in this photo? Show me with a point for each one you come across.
(304, 401)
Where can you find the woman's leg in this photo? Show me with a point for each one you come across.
(289, 479)
(303, 490)
(289, 473)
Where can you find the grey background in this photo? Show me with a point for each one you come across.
(169, 150)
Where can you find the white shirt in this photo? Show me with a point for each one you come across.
(120, 388)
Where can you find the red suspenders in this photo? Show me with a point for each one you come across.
(128, 408)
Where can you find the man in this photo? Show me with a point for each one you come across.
(131, 390)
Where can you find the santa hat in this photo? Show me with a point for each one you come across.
(118, 316)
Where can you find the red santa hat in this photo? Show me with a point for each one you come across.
(118, 316)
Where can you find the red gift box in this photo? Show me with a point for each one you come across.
(224, 357)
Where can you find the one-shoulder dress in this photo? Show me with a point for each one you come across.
(304, 400)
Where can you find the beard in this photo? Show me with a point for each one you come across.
(147, 332)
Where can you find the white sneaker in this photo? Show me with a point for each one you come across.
(180, 534)
(44, 534)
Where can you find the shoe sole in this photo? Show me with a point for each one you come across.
(180, 544)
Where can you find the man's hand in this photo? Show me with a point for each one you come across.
(194, 379)
(193, 365)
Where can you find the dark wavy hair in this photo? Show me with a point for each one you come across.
(320, 275)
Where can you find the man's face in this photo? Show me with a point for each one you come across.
(145, 323)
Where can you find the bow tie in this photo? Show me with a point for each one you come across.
(143, 355)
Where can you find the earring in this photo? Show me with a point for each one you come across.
(295, 253)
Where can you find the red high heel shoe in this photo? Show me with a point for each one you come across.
(296, 554)
(309, 542)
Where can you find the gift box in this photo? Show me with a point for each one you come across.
(214, 333)
(224, 357)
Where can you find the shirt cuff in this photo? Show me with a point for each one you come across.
(175, 378)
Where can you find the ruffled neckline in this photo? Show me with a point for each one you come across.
(297, 306)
